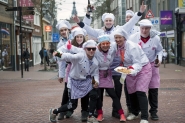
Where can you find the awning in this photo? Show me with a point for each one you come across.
(5, 31)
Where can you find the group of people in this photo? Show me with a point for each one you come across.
(91, 64)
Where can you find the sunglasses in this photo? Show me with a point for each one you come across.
(105, 43)
(89, 49)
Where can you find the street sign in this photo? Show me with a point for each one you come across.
(55, 37)
(149, 14)
(28, 8)
(155, 21)
(48, 28)
(11, 9)
(28, 13)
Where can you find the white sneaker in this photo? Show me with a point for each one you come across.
(132, 117)
(144, 121)
(92, 119)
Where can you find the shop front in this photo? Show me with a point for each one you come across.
(5, 47)
(171, 46)
(36, 44)
(26, 43)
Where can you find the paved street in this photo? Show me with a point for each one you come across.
(28, 100)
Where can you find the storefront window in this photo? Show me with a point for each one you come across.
(5, 46)
(171, 50)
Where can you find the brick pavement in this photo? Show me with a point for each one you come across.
(29, 101)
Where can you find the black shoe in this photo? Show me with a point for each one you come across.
(84, 116)
(61, 116)
(154, 116)
(115, 114)
(95, 114)
(68, 114)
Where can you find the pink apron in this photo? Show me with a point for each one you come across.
(105, 82)
(155, 81)
(141, 81)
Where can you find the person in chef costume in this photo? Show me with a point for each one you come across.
(84, 67)
(63, 26)
(132, 56)
(153, 48)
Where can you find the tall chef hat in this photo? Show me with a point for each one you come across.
(145, 22)
(129, 12)
(77, 30)
(107, 15)
(89, 43)
(121, 32)
(63, 23)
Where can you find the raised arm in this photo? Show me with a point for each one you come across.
(128, 26)
(90, 30)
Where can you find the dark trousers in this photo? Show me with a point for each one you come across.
(84, 100)
(118, 88)
(72, 104)
(112, 94)
(47, 59)
(26, 64)
(139, 102)
(153, 100)
(127, 96)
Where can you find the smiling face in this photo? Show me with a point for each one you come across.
(63, 32)
(105, 46)
(79, 38)
(145, 31)
(90, 51)
(108, 23)
(128, 17)
(120, 40)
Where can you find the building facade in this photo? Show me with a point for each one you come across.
(6, 37)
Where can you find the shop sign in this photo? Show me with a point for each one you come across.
(27, 3)
(163, 34)
(170, 33)
(181, 3)
(48, 28)
(166, 17)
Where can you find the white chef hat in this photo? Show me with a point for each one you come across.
(145, 22)
(63, 23)
(129, 12)
(107, 15)
(103, 38)
(121, 32)
(77, 30)
(89, 43)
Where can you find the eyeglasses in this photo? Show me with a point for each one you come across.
(89, 49)
(105, 43)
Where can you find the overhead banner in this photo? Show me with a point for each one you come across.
(166, 17)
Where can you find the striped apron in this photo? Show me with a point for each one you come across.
(105, 79)
(80, 88)
(155, 81)
(141, 81)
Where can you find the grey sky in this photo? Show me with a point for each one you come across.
(67, 7)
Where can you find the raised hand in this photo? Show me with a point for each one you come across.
(143, 7)
(76, 19)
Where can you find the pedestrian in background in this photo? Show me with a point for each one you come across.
(165, 54)
(26, 56)
(46, 56)
(41, 55)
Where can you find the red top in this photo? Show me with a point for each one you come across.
(145, 39)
